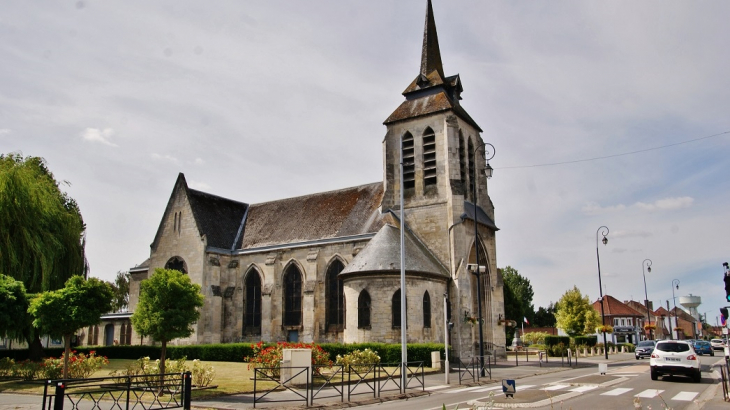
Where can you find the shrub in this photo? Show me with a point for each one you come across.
(587, 341)
(557, 350)
(28, 370)
(6, 366)
(360, 360)
(203, 374)
(269, 357)
(534, 337)
(556, 340)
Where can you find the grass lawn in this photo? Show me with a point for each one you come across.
(230, 378)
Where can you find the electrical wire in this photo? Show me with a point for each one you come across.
(614, 155)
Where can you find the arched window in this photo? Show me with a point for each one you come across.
(429, 157)
(472, 169)
(395, 309)
(176, 263)
(292, 297)
(462, 161)
(409, 163)
(426, 310)
(335, 297)
(363, 310)
(128, 341)
(252, 303)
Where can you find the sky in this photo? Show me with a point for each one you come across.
(262, 100)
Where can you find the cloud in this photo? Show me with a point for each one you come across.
(4, 131)
(201, 186)
(96, 135)
(165, 157)
(593, 208)
(199, 161)
(667, 204)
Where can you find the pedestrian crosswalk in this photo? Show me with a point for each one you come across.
(559, 388)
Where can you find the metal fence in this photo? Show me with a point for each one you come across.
(323, 382)
(149, 392)
(471, 368)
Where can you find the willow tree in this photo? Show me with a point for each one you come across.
(41, 229)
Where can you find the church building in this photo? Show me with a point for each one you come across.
(326, 267)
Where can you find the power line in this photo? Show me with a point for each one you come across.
(615, 155)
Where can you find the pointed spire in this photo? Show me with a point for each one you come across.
(430, 53)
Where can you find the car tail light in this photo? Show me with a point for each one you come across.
(691, 357)
(654, 356)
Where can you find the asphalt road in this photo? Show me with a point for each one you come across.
(622, 387)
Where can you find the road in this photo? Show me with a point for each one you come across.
(623, 387)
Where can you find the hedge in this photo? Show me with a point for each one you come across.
(236, 352)
(589, 341)
(556, 340)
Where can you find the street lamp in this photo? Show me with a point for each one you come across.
(646, 263)
(600, 286)
(488, 171)
(674, 300)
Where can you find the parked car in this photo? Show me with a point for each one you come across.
(717, 344)
(703, 347)
(675, 357)
(644, 349)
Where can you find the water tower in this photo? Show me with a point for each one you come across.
(691, 302)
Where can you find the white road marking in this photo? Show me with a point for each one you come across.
(616, 392)
(556, 387)
(649, 393)
(583, 389)
(685, 396)
(463, 390)
(443, 386)
(488, 389)
(525, 387)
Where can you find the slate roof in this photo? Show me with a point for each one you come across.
(614, 307)
(482, 216)
(382, 255)
(327, 215)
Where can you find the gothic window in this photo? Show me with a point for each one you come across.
(429, 157)
(176, 263)
(462, 161)
(335, 297)
(395, 312)
(128, 341)
(363, 310)
(426, 310)
(93, 338)
(409, 165)
(292, 297)
(123, 334)
(472, 169)
(252, 303)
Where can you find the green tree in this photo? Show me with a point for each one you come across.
(120, 288)
(518, 295)
(575, 313)
(545, 317)
(168, 306)
(41, 230)
(14, 319)
(59, 313)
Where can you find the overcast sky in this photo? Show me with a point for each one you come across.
(261, 100)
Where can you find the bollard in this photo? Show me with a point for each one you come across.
(58, 399)
(187, 389)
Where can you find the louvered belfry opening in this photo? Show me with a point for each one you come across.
(429, 158)
(409, 164)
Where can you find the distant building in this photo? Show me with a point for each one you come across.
(627, 322)
(325, 267)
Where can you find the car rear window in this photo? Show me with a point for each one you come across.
(672, 347)
(646, 343)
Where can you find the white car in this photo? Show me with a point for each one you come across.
(675, 357)
(717, 344)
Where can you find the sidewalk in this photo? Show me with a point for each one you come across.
(504, 369)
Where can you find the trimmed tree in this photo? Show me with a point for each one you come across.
(14, 319)
(168, 306)
(575, 313)
(59, 313)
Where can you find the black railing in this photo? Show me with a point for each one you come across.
(471, 368)
(321, 380)
(268, 374)
(150, 392)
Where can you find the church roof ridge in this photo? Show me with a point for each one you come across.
(333, 191)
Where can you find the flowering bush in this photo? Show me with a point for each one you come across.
(28, 370)
(649, 327)
(270, 357)
(605, 328)
(6, 366)
(80, 366)
(203, 374)
(359, 360)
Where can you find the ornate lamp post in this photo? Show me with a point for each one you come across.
(646, 263)
(603, 230)
(674, 300)
(488, 171)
